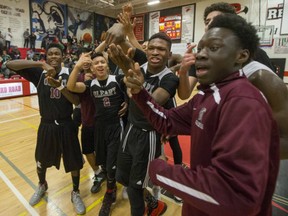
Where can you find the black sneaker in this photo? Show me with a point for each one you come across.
(177, 199)
(98, 180)
(109, 199)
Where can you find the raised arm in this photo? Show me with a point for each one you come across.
(72, 84)
(276, 93)
(17, 65)
(128, 27)
(186, 82)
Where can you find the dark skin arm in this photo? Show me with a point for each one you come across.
(118, 56)
(134, 81)
(115, 35)
(186, 82)
(276, 94)
(51, 72)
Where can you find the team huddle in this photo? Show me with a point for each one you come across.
(237, 136)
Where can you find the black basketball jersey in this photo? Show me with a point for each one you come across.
(53, 104)
(165, 79)
(107, 98)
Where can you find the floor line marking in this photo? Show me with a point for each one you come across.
(15, 119)
(18, 194)
(28, 181)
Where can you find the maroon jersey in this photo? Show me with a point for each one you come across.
(234, 155)
(87, 105)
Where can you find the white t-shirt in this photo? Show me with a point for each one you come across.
(254, 66)
(8, 36)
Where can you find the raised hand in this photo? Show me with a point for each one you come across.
(134, 79)
(188, 59)
(119, 58)
(54, 82)
(51, 72)
(84, 60)
(128, 8)
(128, 26)
(115, 34)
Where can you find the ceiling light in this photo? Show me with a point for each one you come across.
(153, 2)
(107, 2)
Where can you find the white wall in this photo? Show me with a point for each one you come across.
(15, 15)
(251, 16)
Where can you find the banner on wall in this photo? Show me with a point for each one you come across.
(15, 15)
(284, 24)
(48, 20)
(171, 25)
(139, 28)
(79, 23)
(11, 89)
(154, 23)
(188, 13)
(265, 33)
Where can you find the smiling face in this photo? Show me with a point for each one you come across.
(158, 54)
(218, 54)
(54, 58)
(99, 67)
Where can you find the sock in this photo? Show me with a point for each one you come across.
(151, 201)
(75, 181)
(96, 172)
(111, 184)
(41, 172)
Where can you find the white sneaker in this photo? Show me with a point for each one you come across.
(156, 191)
(39, 193)
(78, 203)
(124, 193)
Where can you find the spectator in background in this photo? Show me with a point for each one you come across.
(8, 39)
(26, 38)
(29, 54)
(5, 57)
(2, 42)
(15, 53)
(32, 38)
(45, 42)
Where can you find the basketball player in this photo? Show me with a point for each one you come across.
(57, 135)
(108, 98)
(141, 143)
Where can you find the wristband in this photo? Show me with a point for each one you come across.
(61, 87)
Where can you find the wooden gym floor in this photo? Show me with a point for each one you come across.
(19, 120)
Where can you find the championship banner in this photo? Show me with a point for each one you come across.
(171, 25)
(154, 23)
(139, 28)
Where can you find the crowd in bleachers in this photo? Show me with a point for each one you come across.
(71, 46)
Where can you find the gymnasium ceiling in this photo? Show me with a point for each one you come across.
(112, 9)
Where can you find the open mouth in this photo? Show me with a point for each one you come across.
(201, 70)
(154, 60)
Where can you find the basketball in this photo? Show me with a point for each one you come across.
(87, 37)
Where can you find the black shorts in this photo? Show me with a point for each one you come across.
(56, 139)
(87, 139)
(138, 148)
(107, 142)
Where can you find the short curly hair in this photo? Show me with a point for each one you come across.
(245, 31)
(163, 36)
(55, 45)
(220, 6)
